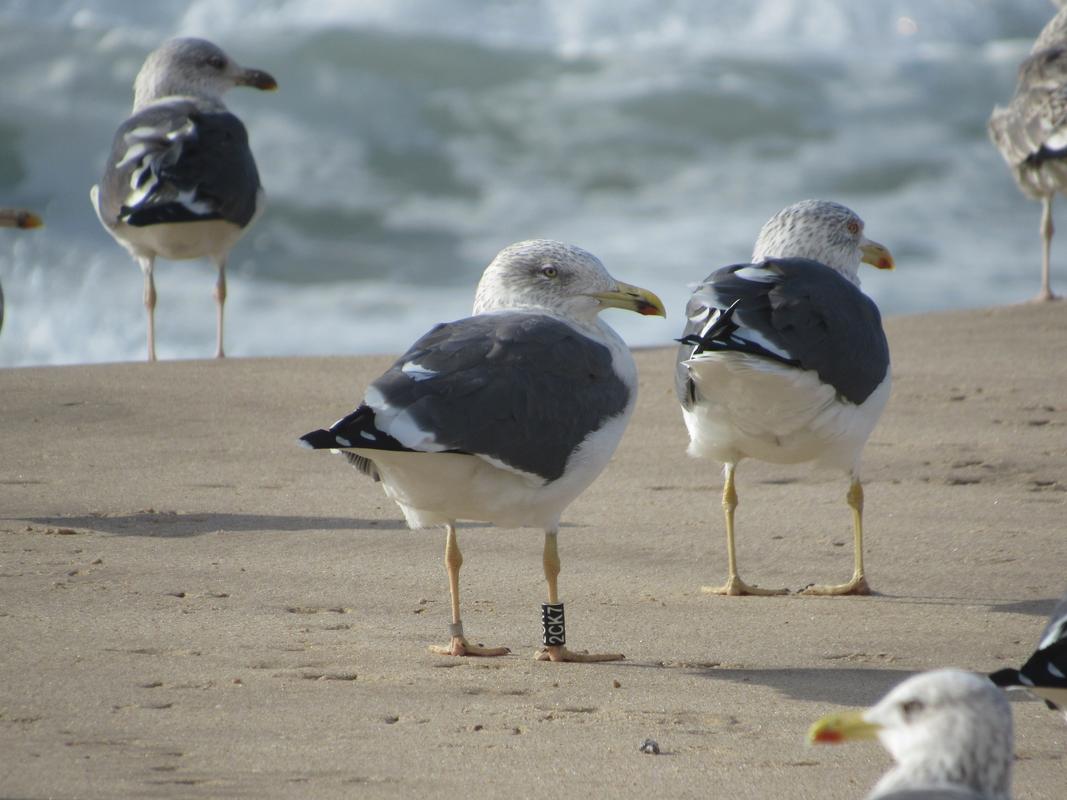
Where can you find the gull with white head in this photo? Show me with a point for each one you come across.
(785, 360)
(181, 182)
(948, 731)
(505, 416)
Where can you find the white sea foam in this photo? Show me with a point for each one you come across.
(411, 139)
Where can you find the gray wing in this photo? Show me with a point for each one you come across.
(175, 162)
(522, 389)
(795, 311)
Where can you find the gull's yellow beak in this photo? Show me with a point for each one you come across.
(877, 255)
(632, 298)
(258, 79)
(846, 726)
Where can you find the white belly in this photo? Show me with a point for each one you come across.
(179, 241)
(752, 407)
(435, 488)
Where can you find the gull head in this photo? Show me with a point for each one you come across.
(193, 68)
(945, 727)
(822, 231)
(559, 278)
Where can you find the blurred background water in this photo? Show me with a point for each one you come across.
(412, 139)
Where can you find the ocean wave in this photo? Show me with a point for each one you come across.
(412, 139)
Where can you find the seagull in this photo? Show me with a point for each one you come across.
(1031, 135)
(16, 218)
(947, 730)
(785, 360)
(181, 181)
(505, 416)
(1045, 672)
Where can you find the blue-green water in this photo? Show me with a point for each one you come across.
(411, 139)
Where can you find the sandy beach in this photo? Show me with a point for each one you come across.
(193, 606)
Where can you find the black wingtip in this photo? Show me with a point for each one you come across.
(720, 327)
(1005, 677)
(320, 440)
(163, 213)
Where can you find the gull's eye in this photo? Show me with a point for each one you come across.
(911, 708)
(549, 272)
(853, 227)
(216, 62)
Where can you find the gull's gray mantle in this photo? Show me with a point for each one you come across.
(180, 181)
(177, 162)
(519, 389)
(792, 310)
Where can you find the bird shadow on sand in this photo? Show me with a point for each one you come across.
(1035, 608)
(839, 686)
(170, 524)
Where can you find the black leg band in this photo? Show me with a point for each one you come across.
(553, 626)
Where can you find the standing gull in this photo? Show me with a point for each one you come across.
(1045, 672)
(1031, 135)
(505, 416)
(15, 218)
(785, 360)
(181, 182)
(947, 730)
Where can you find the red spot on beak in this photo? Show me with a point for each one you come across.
(828, 737)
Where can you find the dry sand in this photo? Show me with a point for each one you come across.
(192, 606)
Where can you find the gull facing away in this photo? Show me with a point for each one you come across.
(181, 181)
(1031, 135)
(948, 731)
(16, 218)
(505, 416)
(785, 360)
(1045, 672)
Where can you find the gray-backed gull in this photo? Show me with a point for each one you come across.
(181, 182)
(784, 360)
(505, 416)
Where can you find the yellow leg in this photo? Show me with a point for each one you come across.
(858, 583)
(459, 646)
(734, 585)
(550, 558)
